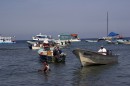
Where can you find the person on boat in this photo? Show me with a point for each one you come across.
(46, 45)
(102, 50)
(62, 43)
(66, 42)
(69, 42)
(36, 44)
(57, 55)
(52, 46)
(57, 51)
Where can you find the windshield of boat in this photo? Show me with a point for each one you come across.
(44, 36)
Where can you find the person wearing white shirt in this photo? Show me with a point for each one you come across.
(102, 50)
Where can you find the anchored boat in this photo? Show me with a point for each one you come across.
(41, 37)
(87, 57)
(4, 39)
(69, 37)
(51, 54)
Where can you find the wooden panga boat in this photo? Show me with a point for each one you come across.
(49, 57)
(52, 59)
(87, 57)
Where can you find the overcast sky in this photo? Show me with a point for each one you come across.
(87, 18)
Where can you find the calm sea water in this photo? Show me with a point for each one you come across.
(19, 67)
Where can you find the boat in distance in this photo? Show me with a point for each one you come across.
(91, 40)
(69, 37)
(87, 57)
(42, 37)
(4, 39)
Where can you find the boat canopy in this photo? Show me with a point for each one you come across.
(67, 36)
(113, 34)
(64, 37)
(74, 35)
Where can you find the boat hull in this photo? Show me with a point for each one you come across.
(49, 57)
(91, 40)
(93, 58)
(126, 42)
(7, 39)
(46, 58)
(7, 42)
(31, 45)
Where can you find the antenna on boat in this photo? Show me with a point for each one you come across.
(107, 23)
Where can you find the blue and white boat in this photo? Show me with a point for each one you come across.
(42, 37)
(69, 37)
(7, 39)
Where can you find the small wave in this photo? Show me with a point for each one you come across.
(1, 49)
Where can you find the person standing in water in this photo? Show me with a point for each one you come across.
(46, 67)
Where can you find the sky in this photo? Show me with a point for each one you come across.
(87, 18)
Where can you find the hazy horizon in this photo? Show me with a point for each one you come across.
(87, 18)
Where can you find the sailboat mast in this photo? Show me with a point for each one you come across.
(107, 23)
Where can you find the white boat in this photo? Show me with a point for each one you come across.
(112, 41)
(62, 43)
(91, 40)
(94, 58)
(123, 41)
(7, 39)
(41, 37)
(69, 37)
(34, 45)
(111, 35)
(38, 40)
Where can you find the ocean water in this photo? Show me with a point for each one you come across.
(19, 67)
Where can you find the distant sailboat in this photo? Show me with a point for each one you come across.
(111, 34)
(107, 37)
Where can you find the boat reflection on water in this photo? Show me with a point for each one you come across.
(91, 75)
